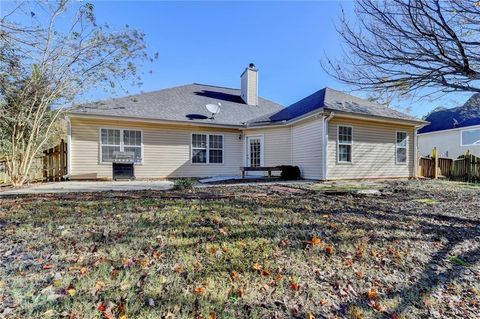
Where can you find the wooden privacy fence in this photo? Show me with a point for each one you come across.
(465, 168)
(431, 167)
(55, 162)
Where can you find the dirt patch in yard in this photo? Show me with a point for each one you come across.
(412, 250)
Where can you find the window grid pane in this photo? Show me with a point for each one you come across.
(199, 141)
(401, 147)
(199, 156)
(401, 155)
(401, 139)
(107, 152)
(345, 135)
(471, 137)
(345, 144)
(132, 138)
(215, 156)
(216, 141)
(345, 153)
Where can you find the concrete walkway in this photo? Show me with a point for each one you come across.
(88, 186)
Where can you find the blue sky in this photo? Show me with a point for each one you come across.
(212, 43)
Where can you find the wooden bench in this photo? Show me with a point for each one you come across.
(268, 169)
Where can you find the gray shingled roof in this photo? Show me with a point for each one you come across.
(187, 104)
(183, 103)
(334, 100)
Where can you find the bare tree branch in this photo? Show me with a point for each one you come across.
(402, 46)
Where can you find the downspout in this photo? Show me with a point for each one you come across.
(69, 147)
(325, 144)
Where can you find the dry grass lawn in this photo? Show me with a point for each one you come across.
(244, 252)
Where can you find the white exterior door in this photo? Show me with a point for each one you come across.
(254, 153)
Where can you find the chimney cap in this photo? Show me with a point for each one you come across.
(251, 66)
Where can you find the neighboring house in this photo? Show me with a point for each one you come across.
(329, 134)
(452, 131)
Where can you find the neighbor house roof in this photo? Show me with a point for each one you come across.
(183, 103)
(332, 100)
(465, 115)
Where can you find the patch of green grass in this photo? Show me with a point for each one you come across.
(458, 261)
(184, 183)
(427, 201)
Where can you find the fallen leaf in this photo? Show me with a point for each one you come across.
(323, 302)
(102, 307)
(144, 262)
(295, 286)
(213, 315)
(48, 266)
(257, 267)
(315, 241)
(234, 274)
(71, 291)
(329, 250)
(309, 316)
(99, 285)
(199, 290)
(372, 294)
(265, 272)
(156, 254)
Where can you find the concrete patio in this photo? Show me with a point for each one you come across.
(88, 186)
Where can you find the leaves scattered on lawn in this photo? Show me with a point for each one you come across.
(282, 254)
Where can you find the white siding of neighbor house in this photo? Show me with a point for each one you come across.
(277, 145)
(307, 145)
(373, 155)
(447, 142)
(166, 150)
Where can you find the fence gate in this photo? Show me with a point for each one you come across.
(55, 162)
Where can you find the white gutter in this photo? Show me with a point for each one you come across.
(415, 149)
(154, 121)
(69, 146)
(325, 145)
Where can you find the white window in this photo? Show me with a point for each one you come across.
(345, 141)
(207, 148)
(401, 148)
(114, 140)
(471, 137)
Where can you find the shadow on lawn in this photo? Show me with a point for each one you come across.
(370, 214)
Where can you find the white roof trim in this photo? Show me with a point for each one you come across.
(451, 130)
(145, 120)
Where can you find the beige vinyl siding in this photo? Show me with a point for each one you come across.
(448, 143)
(166, 150)
(307, 140)
(373, 150)
(277, 145)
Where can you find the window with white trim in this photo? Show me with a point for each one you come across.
(471, 137)
(114, 140)
(345, 141)
(207, 148)
(401, 148)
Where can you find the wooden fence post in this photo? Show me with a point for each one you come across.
(435, 169)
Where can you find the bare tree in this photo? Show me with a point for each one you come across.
(55, 54)
(396, 47)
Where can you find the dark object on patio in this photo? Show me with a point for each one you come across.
(290, 172)
(123, 165)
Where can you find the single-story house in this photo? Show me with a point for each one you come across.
(453, 131)
(329, 135)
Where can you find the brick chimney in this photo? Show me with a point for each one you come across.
(249, 85)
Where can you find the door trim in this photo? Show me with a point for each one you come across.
(247, 149)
